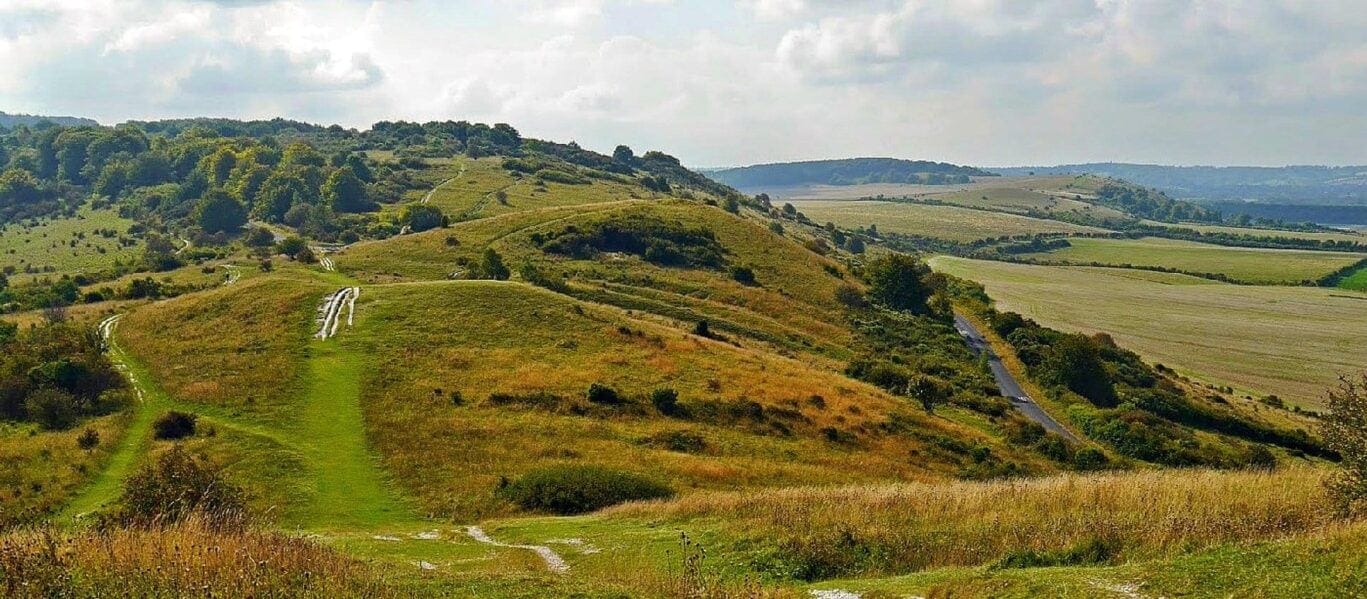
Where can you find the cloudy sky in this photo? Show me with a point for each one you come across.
(986, 82)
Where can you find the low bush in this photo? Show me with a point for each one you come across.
(177, 486)
(575, 489)
(174, 425)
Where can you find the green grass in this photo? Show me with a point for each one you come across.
(940, 222)
(1356, 281)
(49, 244)
(1257, 232)
(1250, 265)
(1288, 341)
(793, 306)
(1318, 565)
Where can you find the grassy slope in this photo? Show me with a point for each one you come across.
(940, 222)
(1289, 341)
(1241, 264)
(478, 338)
(793, 306)
(48, 244)
(1356, 281)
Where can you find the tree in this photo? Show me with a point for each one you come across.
(280, 191)
(345, 191)
(898, 281)
(1344, 430)
(491, 266)
(1075, 362)
(218, 212)
(928, 391)
(624, 155)
(18, 187)
(420, 217)
(88, 440)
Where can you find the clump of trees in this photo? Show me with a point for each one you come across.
(576, 489)
(56, 375)
(655, 240)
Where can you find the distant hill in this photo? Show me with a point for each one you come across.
(1323, 185)
(10, 121)
(847, 171)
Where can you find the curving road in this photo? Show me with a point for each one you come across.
(1007, 383)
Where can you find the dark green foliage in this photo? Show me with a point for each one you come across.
(1091, 552)
(1075, 362)
(345, 192)
(1345, 431)
(576, 489)
(420, 217)
(291, 245)
(743, 275)
(218, 212)
(900, 282)
(177, 486)
(174, 425)
(490, 266)
(56, 375)
(602, 394)
(259, 237)
(851, 296)
(657, 241)
(665, 400)
(1142, 202)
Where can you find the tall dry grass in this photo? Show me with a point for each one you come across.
(188, 559)
(823, 532)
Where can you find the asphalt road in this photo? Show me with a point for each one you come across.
(1007, 383)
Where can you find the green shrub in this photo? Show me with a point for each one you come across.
(682, 441)
(602, 394)
(743, 275)
(174, 425)
(176, 486)
(53, 409)
(574, 489)
(665, 400)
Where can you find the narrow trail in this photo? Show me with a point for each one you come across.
(330, 312)
(325, 261)
(105, 485)
(183, 247)
(459, 174)
(553, 560)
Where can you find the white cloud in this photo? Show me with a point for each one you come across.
(718, 82)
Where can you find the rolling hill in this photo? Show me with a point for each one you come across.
(849, 171)
(437, 392)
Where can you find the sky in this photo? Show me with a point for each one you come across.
(982, 82)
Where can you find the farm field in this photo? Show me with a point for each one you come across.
(949, 223)
(1249, 265)
(1288, 341)
(50, 244)
(1255, 232)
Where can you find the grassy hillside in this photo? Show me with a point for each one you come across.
(473, 381)
(948, 223)
(792, 304)
(1287, 341)
(87, 242)
(1249, 265)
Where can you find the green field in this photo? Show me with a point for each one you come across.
(1249, 265)
(1288, 341)
(949, 223)
(68, 245)
(1255, 232)
(1356, 281)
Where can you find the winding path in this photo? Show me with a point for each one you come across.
(553, 560)
(428, 197)
(1007, 383)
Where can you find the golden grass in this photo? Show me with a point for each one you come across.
(915, 527)
(950, 223)
(476, 338)
(240, 346)
(40, 470)
(181, 561)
